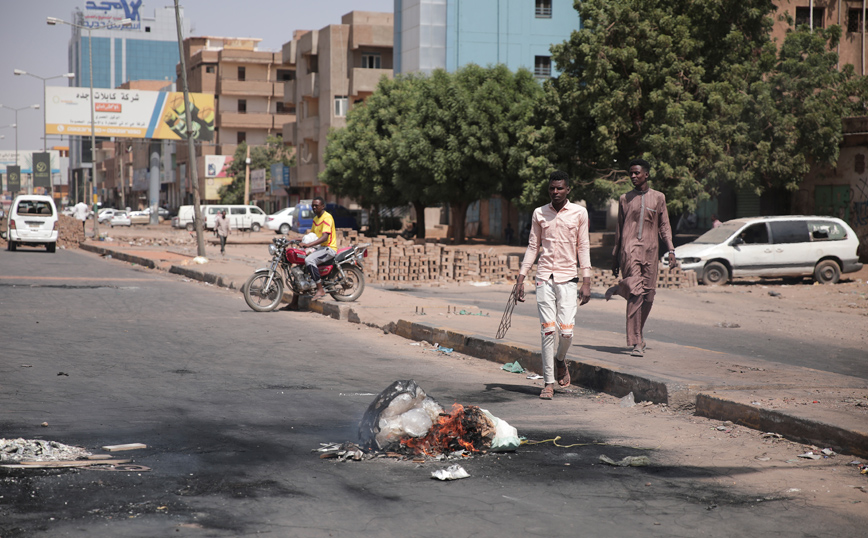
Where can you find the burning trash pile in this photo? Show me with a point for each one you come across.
(403, 420)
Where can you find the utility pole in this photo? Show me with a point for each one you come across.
(191, 144)
(247, 177)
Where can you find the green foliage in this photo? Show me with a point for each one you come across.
(448, 138)
(272, 152)
(698, 89)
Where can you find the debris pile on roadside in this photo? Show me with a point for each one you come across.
(69, 231)
(17, 450)
(404, 422)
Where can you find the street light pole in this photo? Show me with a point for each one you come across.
(15, 125)
(19, 72)
(51, 21)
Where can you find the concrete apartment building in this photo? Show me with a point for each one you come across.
(249, 87)
(336, 68)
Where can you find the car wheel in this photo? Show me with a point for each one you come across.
(715, 274)
(255, 227)
(827, 272)
(284, 229)
(11, 246)
(50, 247)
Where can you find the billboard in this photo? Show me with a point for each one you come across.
(127, 113)
(108, 15)
(257, 180)
(13, 179)
(42, 170)
(218, 165)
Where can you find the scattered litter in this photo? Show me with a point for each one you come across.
(342, 451)
(855, 462)
(762, 458)
(200, 260)
(453, 472)
(18, 450)
(629, 461)
(27, 366)
(401, 410)
(125, 467)
(44, 424)
(628, 401)
(63, 373)
(479, 284)
(534, 376)
(513, 367)
(446, 350)
(772, 435)
(811, 456)
(128, 446)
(469, 313)
(793, 490)
(726, 325)
(774, 293)
(829, 452)
(416, 344)
(505, 436)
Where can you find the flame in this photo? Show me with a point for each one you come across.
(449, 433)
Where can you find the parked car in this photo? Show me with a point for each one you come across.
(281, 222)
(241, 217)
(120, 218)
(106, 214)
(303, 217)
(32, 220)
(787, 246)
(139, 217)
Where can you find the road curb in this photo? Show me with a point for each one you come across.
(122, 256)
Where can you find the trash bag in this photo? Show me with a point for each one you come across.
(401, 410)
(505, 437)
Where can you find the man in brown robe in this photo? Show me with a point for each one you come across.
(642, 217)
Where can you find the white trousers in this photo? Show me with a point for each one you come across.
(557, 304)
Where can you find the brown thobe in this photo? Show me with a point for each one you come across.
(642, 218)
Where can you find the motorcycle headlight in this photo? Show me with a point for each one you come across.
(272, 250)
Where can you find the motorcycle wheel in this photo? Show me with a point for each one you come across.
(260, 299)
(351, 287)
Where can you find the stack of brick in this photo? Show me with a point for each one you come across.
(400, 260)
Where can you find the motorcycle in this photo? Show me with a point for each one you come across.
(343, 277)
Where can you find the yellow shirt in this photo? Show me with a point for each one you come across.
(325, 225)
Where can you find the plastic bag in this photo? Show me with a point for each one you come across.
(505, 437)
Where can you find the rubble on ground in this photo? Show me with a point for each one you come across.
(17, 450)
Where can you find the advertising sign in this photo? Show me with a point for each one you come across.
(42, 170)
(257, 180)
(218, 165)
(13, 178)
(127, 113)
(212, 186)
(279, 178)
(108, 15)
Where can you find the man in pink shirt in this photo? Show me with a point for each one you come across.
(559, 235)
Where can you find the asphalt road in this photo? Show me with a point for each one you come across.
(754, 342)
(231, 402)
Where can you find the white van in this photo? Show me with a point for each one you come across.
(241, 217)
(32, 220)
(786, 246)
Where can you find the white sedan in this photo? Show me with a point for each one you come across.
(120, 218)
(281, 222)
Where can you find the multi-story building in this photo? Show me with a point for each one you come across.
(249, 87)
(447, 34)
(336, 67)
(146, 50)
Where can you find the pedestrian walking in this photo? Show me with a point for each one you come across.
(559, 235)
(221, 225)
(642, 218)
(80, 212)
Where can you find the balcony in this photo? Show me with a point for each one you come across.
(372, 35)
(249, 88)
(308, 85)
(309, 128)
(289, 91)
(307, 175)
(289, 132)
(365, 80)
(234, 120)
(282, 119)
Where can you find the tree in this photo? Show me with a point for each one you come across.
(700, 90)
(273, 152)
(449, 137)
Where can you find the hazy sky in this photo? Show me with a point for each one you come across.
(28, 43)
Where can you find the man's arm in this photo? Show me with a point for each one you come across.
(533, 243)
(583, 254)
(665, 231)
(619, 228)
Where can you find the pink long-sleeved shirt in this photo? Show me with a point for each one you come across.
(561, 240)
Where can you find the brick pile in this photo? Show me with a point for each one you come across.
(399, 260)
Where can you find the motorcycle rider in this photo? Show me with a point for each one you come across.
(325, 245)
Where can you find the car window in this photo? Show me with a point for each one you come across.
(826, 230)
(214, 210)
(789, 231)
(755, 234)
(718, 235)
(237, 210)
(256, 211)
(34, 207)
(306, 214)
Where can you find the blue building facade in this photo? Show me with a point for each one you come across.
(447, 34)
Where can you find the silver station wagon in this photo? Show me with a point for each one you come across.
(787, 246)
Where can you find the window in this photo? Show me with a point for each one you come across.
(370, 60)
(241, 137)
(803, 16)
(237, 210)
(859, 164)
(242, 106)
(341, 105)
(755, 234)
(854, 21)
(312, 64)
(280, 108)
(285, 75)
(210, 69)
(826, 230)
(543, 9)
(790, 231)
(242, 73)
(542, 66)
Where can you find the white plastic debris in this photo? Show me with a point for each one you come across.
(810, 456)
(505, 437)
(200, 260)
(453, 472)
(628, 401)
